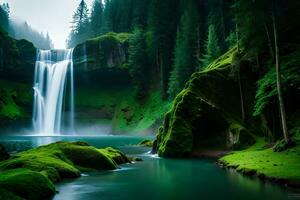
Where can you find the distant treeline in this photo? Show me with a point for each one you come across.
(22, 30)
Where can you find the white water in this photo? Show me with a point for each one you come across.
(50, 86)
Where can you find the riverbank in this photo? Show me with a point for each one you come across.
(262, 162)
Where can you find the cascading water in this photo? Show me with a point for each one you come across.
(50, 88)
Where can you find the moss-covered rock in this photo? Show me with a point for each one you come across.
(146, 143)
(25, 184)
(31, 174)
(65, 160)
(107, 51)
(205, 115)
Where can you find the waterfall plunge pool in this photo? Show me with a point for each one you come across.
(154, 178)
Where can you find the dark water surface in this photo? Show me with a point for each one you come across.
(154, 178)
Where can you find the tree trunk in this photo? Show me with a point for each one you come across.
(269, 41)
(239, 74)
(278, 81)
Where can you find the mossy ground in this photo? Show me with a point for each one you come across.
(263, 161)
(31, 174)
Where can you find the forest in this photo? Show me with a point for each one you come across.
(212, 84)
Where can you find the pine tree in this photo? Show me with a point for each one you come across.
(213, 50)
(163, 22)
(216, 17)
(80, 25)
(138, 63)
(96, 19)
(4, 14)
(186, 50)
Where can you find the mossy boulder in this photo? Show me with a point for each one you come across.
(25, 184)
(205, 114)
(49, 164)
(146, 143)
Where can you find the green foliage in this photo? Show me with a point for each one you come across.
(267, 88)
(213, 50)
(231, 40)
(217, 17)
(186, 51)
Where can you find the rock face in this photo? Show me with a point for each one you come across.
(17, 59)
(206, 115)
(103, 59)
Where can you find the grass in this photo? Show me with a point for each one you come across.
(278, 165)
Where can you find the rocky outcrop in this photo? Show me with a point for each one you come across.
(206, 115)
(17, 59)
(103, 59)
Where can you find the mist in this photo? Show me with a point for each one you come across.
(46, 16)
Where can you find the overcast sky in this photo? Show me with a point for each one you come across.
(53, 16)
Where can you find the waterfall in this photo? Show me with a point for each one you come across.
(51, 82)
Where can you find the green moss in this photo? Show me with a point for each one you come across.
(114, 154)
(14, 99)
(203, 114)
(279, 165)
(63, 160)
(31, 174)
(119, 37)
(146, 143)
(223, 61)
(26, 184)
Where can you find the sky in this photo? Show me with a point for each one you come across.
(52, 16)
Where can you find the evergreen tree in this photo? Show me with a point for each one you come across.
(186, 50)
(213, 50)
(4, 14)
(216, 17)
(96, 19)
(80, 25)
(138, 63)
(163, 22)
